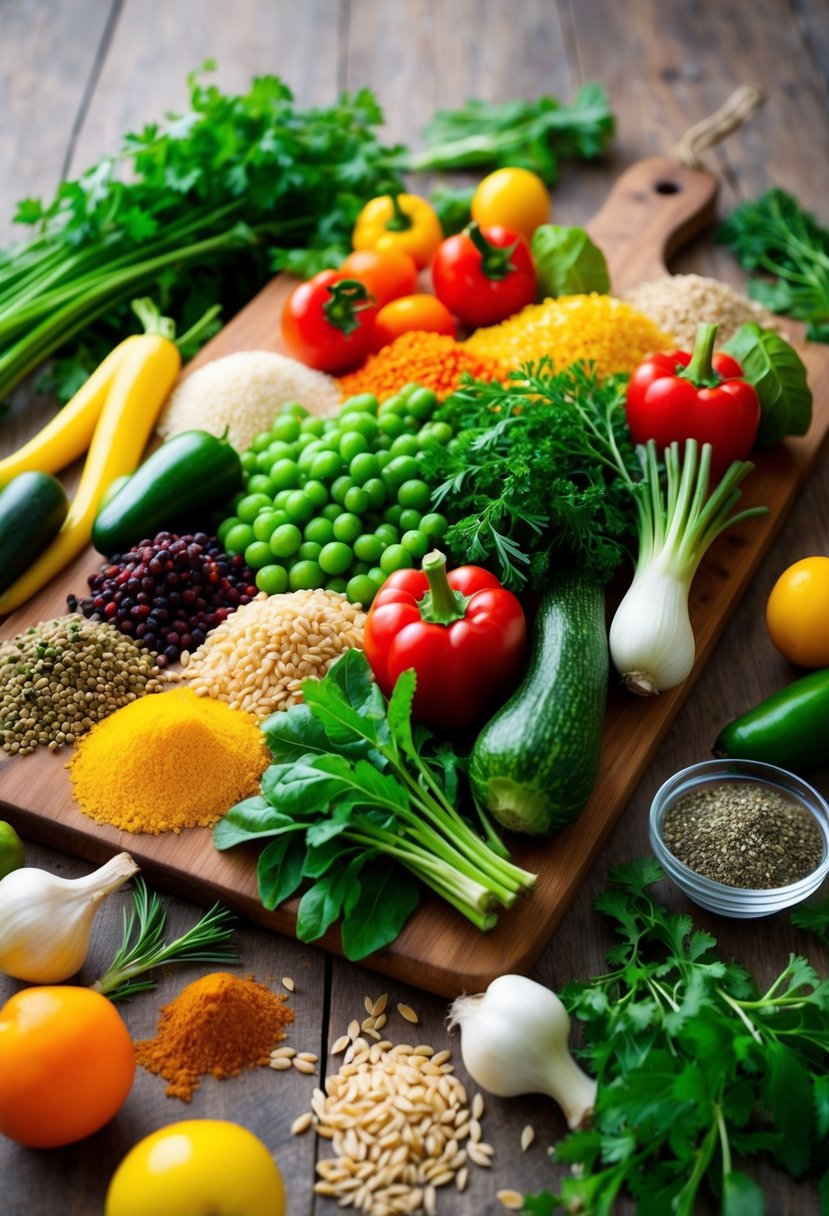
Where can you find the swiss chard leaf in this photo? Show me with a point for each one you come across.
(387, 897)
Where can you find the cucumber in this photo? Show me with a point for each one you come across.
(181, 481)
(32, 508)
(790, 728)
(535, 762)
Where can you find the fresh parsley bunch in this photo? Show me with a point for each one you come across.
(696, 1068)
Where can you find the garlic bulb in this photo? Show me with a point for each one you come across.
(514, 1041)
(45, 920)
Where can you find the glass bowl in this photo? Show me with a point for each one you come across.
(717, 896)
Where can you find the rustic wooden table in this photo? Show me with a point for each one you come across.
(76, 74)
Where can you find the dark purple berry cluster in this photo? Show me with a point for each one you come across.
(168, 592)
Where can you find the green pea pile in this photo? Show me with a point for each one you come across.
(338, 502)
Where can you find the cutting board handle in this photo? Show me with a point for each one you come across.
(654, 208)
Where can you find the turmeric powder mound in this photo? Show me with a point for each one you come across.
(168, 762)
(218, 1025)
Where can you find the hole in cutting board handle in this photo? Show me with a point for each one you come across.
(668, 187)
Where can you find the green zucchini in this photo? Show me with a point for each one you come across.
(32, 508)
(790, 728)
(535, 762)
(180, 482)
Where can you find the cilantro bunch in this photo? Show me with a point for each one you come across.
(196, 210)
(696, 1069)
(529, 482)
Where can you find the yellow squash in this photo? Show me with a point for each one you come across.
(67, 435)
(142, 380)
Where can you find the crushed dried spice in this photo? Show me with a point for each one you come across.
(218, 1025)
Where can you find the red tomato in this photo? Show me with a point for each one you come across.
(483, 275)
(387, 273)
(327, 321)
(419, 311)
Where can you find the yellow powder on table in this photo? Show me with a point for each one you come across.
(168, 762)
(219, 1024)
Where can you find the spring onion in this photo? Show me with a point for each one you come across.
(651, 639)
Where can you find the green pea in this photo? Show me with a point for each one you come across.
(285, 540)
(272, 579)
(319, 529)
(364, 423)
(360, 589)
(421, 402)
(387, 534)
(414, 493)
(375, 490)
(399, 469)
(331, 511)
(248, 460)
(251, 505)
(384, 458)
(312, 426)
(396, 404)
(258, 554)
(316, 491)
(287, 428)
(305, 440)
(259, 483)
(280, 498)
(299, 507)
(347, 527)
(416, 543)
(336, 584)
(305, 576)
(261, 441)
(434, 525)
(409, 520)
(238, 538)
(377, 576)
(351, 443)
(285, 474)
(326, 465)
(309, 551)
(395, 557)
(279, 450)
(360, 403)
(382, 444)
(266, 522)
(356, 500)
(335, 558)
(392, 514)
(390, 423)
(405, 445)
(225, 526)
(308, 454)
(434, 434)
(340, 488)
(363, 467)
(368, 547)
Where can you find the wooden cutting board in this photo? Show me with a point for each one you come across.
(654, 208)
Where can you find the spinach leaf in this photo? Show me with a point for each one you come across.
(779, 378)
(567, 262)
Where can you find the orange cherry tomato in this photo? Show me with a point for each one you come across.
(797, 612)
(513, 198)
(387, 273)
(67, 1064)
(418, 311)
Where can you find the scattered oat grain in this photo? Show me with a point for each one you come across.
(408, 1013)
(288, 983)
(305, 1066)
(527, 1137)
(302, 1123)
(513, 1201)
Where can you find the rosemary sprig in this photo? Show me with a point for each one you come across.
(143, 946)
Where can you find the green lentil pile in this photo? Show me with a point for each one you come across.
(744, 835)
(60, 677)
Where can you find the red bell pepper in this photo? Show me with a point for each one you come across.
(679, 395)
(462, 632)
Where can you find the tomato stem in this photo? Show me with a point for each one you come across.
(496, 262)
(348, 298)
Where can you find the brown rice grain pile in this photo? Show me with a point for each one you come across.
(399, 1124)
(257, 659)
(244, 392)
(678, 303)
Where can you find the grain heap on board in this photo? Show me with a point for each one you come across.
(678, 303)
(244, 392)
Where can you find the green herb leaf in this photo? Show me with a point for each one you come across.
(249, 820)
(279, 869)
(779, 378)
(567, 262)
(377, 915)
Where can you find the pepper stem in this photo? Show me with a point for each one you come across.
(700, 371)
(496, 261)
(399, 220)
(440, 605)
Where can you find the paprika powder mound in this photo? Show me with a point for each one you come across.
(168, 762)
(217, 1025)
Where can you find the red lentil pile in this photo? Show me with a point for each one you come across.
(435, 361)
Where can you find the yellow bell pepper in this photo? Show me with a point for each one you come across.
(399, 221)
(67, 435)
(144, 375)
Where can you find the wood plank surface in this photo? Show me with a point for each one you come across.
(666, 65)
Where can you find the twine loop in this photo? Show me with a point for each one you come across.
(717, 126)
